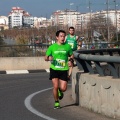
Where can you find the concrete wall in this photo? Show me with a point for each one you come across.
(23, 63)
(99, 94)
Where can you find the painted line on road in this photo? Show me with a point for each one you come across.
(47, 70)
(16, 71)
(28, 105)
(23, 71)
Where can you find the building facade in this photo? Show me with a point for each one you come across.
(112, 17)
(66, 18)
(3, 22)
(19, 18)
(82, 21)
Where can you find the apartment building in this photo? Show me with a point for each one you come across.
(42, 22)
(111, 17)
(66, 18)
(3, 22)
(28, 20)
(19, 18)
(82, 21)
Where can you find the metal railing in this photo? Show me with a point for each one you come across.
(40, 49)
(105, 62)
(23, 50)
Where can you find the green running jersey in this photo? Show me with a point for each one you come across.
(60, 54)
(72, 42)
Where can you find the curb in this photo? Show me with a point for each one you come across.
(23, 71)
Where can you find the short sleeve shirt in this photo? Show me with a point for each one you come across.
(72, 42)
(60, 54)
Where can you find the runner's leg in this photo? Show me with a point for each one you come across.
(63, 85)
(55, 82)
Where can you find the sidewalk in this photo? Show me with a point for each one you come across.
(68, 111)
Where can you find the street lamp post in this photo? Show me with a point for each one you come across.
(46, 31)
(70, 14)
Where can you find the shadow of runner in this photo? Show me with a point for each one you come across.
(74, 104)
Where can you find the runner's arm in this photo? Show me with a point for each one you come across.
(48, 55)
(77, 38)
(48, 58)
(71, 56)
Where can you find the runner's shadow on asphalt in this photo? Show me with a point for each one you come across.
(74, 104)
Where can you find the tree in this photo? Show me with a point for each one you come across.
(100, 24)
(21, 39)
(2, 41)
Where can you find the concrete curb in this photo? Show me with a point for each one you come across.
(23, 71)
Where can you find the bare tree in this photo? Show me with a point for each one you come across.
(99, 23)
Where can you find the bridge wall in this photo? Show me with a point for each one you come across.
(98, 94)
(23, 63)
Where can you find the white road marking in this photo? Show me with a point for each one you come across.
(47, 70)
(16, 71)
(28, 105)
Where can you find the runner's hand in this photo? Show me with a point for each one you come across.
(50, 58)
(70, 64)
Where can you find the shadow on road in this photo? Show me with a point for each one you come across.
(69, 105)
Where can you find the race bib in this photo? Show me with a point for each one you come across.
(72, 45)
(59, 63)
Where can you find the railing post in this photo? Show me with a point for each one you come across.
(89, 67)
(113, 70)
(99, 68)
(84, 66)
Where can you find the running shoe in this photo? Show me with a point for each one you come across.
(57, 105)
(60, 94)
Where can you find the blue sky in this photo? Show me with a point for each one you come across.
(47, 7)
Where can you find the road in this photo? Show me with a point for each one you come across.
(29, 97)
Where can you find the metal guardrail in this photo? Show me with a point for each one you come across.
(39, 49)
(92, 61)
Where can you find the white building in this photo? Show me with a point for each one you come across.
(42, 22)
(81, 20)
(3, 22)
(112, 15)
(19, 18)
(28, 20)
(66, 18)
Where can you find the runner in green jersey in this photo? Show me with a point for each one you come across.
(58, 54)
(72, 40)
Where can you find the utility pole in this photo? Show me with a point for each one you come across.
(90, 21)
(77, 17)
(116, 20)
(78, 21)
(108, 32)
(56, 20)
(70, 13)
(46, 31)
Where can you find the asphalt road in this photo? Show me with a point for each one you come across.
(29, 97)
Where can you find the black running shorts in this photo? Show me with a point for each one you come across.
(63, 75)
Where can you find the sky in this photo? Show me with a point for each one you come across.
(45, 8)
